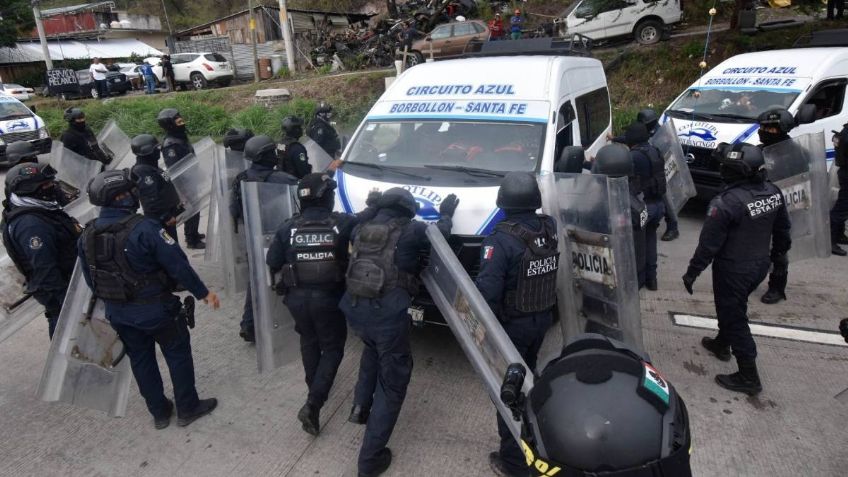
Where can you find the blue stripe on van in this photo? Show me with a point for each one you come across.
(746, 134)
(340, 179)
(494, 219)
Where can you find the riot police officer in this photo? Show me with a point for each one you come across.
(261, 151)
(21, 152)
(613, 160)
(747, 216)
(158, 196)
(601, 408)
(80, 139)
(133, 265)
(518, 271)
(293, 156)
(649, 169)
(388, 246)
(39, 236)
(839, 212)
(311, 251)
(176, 146)
(236, 138)
(775, 125)
(322, 131)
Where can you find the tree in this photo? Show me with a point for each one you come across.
(15, 21)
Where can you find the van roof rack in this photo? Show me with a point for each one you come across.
(823, 38)
(577, 45)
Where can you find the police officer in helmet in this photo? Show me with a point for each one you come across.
(775, 125)
(158, 196)
(601, 408)
(382, 279)
(80, 139)
(839, 212)
(311, 251)
(293, 156)
(236, 138)
(746, 224)
(176, 146)
(133, 265)
(261, 151)
(21, 152)
(39, 236)
(518, 271)
(322, 131)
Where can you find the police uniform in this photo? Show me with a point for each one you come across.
(325, 135)
(650, 171)
(84, 142)
(40, 239)
(518, 269)
(175, 147)
(395, 242)
(159, 198)
(839, 213)
(295, 159)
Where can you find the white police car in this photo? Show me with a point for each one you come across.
(20, 123)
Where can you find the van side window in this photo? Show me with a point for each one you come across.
(828, 98)
(591, 8)
(593, 113)
(565, 128)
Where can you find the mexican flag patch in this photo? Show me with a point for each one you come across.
(655, 383)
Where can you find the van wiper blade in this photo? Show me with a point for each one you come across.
(740, 117)
(392, 169)
(472, 171)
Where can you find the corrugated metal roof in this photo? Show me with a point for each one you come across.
(28, 52)
(273, 7)
(52, 12)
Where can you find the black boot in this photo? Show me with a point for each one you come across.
(308, 415)
(204, 407)
(384, 460)
(670, 235)
(718, 350)
(165, 420)
(358, 414)
(248, 335)
(837, 250)
(772, 296)
(746, 380)
(651, 284)
(841, 240)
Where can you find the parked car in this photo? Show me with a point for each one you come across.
(197, 70)
(133, 75)
(448, 40)
(116, 82)
(646, 21)
(16, 91)
(20, 123)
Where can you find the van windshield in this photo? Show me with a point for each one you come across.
(494, 146)
(730, 103)
(12, 110)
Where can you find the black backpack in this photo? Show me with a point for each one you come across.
(372, 270)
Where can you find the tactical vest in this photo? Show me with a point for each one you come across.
(236, 209)
(655, 187)
(750, 238)
(111, 274)
(97, 154)
(67, 226)
(315, 246)
(372, 270)
(840, 143)
(172, 142)
(638, 211)
(537, 280)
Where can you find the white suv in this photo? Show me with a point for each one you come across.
(196, 69)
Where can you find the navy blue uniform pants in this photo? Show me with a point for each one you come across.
(190, 228)
(527, 334)
(323, 331)
(639, 248)
(387, 362)
(52, 303)
(732, 284)
(839, 212)
(671, 223)
(247, 314)
(175, 343)
(656, 211)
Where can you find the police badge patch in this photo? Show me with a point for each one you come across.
(35, 243)
(302, 157)
(167, 238)
(488, 252)
(148, 180)
(172, 153)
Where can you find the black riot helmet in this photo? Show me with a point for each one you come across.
(72, 114)
(30, 180)
(106, 186)
(635, 134)
(324, 111)
(519, 191)
(778, 118)
(316, 189)
(235, 138)
(21, 152)
(613, 160)
(571, 160)
(261, 150)
(170, 120)
(602, 408)
(145, 145)
(399, 199)
(293, 127)
(649, 118)
(740, 161)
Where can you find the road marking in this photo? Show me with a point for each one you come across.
(792, 333)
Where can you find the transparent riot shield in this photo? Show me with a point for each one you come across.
(833, 184)
(230, 237)
(799, 167)
(593, 215)
(680, 186)
(116, 144)
(192, 177)
(481, 336)
(72, 170)
(212, 253)
(318, 157)
(86, 365)
(266, 206)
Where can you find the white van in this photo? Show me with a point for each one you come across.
(724, 104)
(647, 21)
(459, 126)
(20, 123)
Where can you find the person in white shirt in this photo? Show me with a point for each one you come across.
(98, 74)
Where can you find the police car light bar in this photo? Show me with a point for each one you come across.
(578, 45)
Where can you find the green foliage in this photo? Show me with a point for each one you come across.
(16, 20)
(262, 121)
(284, 73)
(325, 70)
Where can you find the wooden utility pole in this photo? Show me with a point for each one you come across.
(287, 36)
(252, 32)
(36, 12)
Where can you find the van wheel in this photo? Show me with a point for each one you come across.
(648, 32)
(413, 59)
(198, 81)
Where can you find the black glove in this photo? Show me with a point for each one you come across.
(688, 281)
(843, 328)
(373, 197)
(448, 206)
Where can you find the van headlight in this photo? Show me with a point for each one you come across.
(43, 134)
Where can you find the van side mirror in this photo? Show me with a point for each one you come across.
(806, 114)
(570, 160)
(428, 38)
